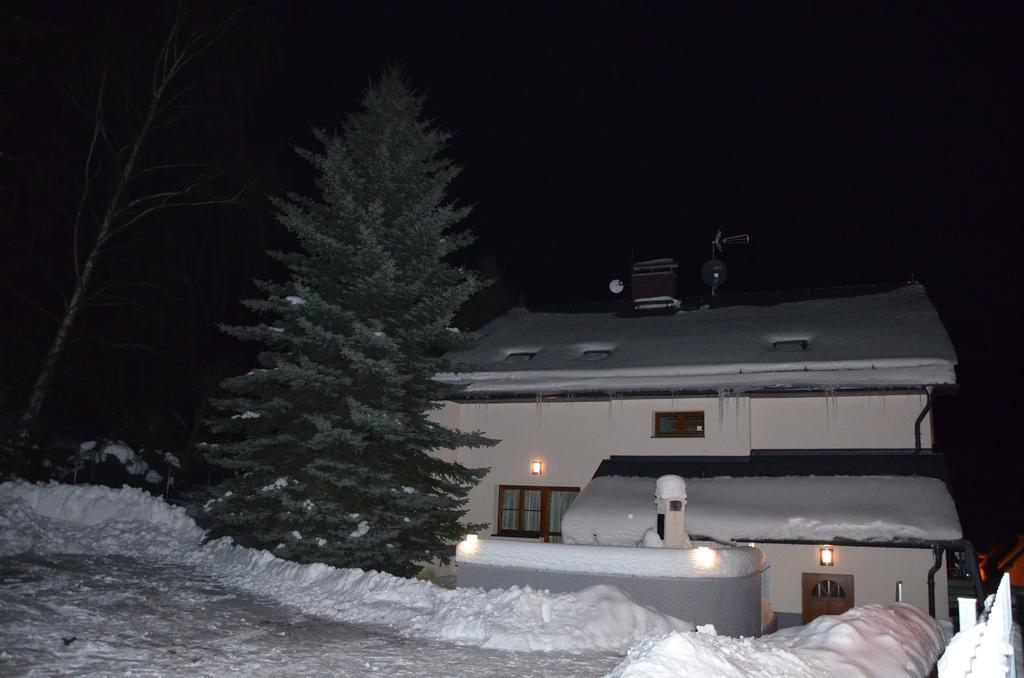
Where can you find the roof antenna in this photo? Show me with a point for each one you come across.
(714, 272)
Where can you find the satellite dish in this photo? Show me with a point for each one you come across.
(616, 286)
(714, 273)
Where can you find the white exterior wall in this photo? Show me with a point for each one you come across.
(843, 421)
(573, 438)
(875, 573)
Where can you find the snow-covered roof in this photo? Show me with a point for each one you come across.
(888, 339)
(616, 510)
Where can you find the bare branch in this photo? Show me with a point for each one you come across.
(116, 344)
(176, 204)
(97, 125)
(104, 289)
(167, 166)
(47, 274)
(24, 297)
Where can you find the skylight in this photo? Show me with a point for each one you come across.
(520, 356)
(595, 355)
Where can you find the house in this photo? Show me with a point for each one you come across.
(801, 421)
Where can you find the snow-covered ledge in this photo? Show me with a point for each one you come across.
(719, 586)
(698, 563)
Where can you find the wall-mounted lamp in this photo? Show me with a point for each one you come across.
(826, 556)
(536, 467)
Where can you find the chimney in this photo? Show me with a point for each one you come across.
(654, 278)
(654, 285)
(670, 493)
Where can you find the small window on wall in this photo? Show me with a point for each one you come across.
(678, 424)
(531, 511)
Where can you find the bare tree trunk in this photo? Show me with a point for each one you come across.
(26, 423)
(119, 213)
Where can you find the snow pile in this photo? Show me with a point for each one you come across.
(99, 520)
(895, 640)
(109, 521)
(132, 462)
(670, 487)
(612, 560)
(597, 618)
(616, 511)
(611, 511)
(893, 338)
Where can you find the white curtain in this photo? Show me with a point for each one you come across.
(558, 503)
(531, 511)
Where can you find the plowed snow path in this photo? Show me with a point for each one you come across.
(136, 617)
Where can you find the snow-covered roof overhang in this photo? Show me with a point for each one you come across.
(892, 339)
(616, 511)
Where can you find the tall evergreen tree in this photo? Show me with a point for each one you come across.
(330, 437)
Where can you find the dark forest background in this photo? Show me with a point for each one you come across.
(875, 144)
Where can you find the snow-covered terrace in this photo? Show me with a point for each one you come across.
(886, 339)
(615, 511)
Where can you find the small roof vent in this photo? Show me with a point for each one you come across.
(520, 356)
(790, 345)
(595, 355)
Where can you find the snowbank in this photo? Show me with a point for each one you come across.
(896, 641)
(83, 519)
(613, 560)
(108, 521)
(616, 511)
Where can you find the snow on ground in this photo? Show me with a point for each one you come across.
(895, 641)
(156, 618)
(105, 581)
(104, 521)
(616, 511)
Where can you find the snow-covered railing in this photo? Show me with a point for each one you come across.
(699, 563)
(985, 649)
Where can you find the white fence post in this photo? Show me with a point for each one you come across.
(968, 612)
(985, 648)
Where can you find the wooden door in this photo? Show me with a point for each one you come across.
(826, 594)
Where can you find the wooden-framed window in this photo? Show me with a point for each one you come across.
(678, 424)
(533, 511)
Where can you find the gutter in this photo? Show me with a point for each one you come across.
(931, 580)
(953, 545)
(920, 419)
(641, 394)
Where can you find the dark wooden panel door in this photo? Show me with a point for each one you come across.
(826, 594)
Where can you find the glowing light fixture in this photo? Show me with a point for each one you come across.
(826, 556)
(469, 546)
(705, 557)
(537, 467)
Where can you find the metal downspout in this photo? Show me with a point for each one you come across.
(931, 580)
(979, 588)
(920, 418)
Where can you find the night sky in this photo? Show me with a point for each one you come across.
(873, 143)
